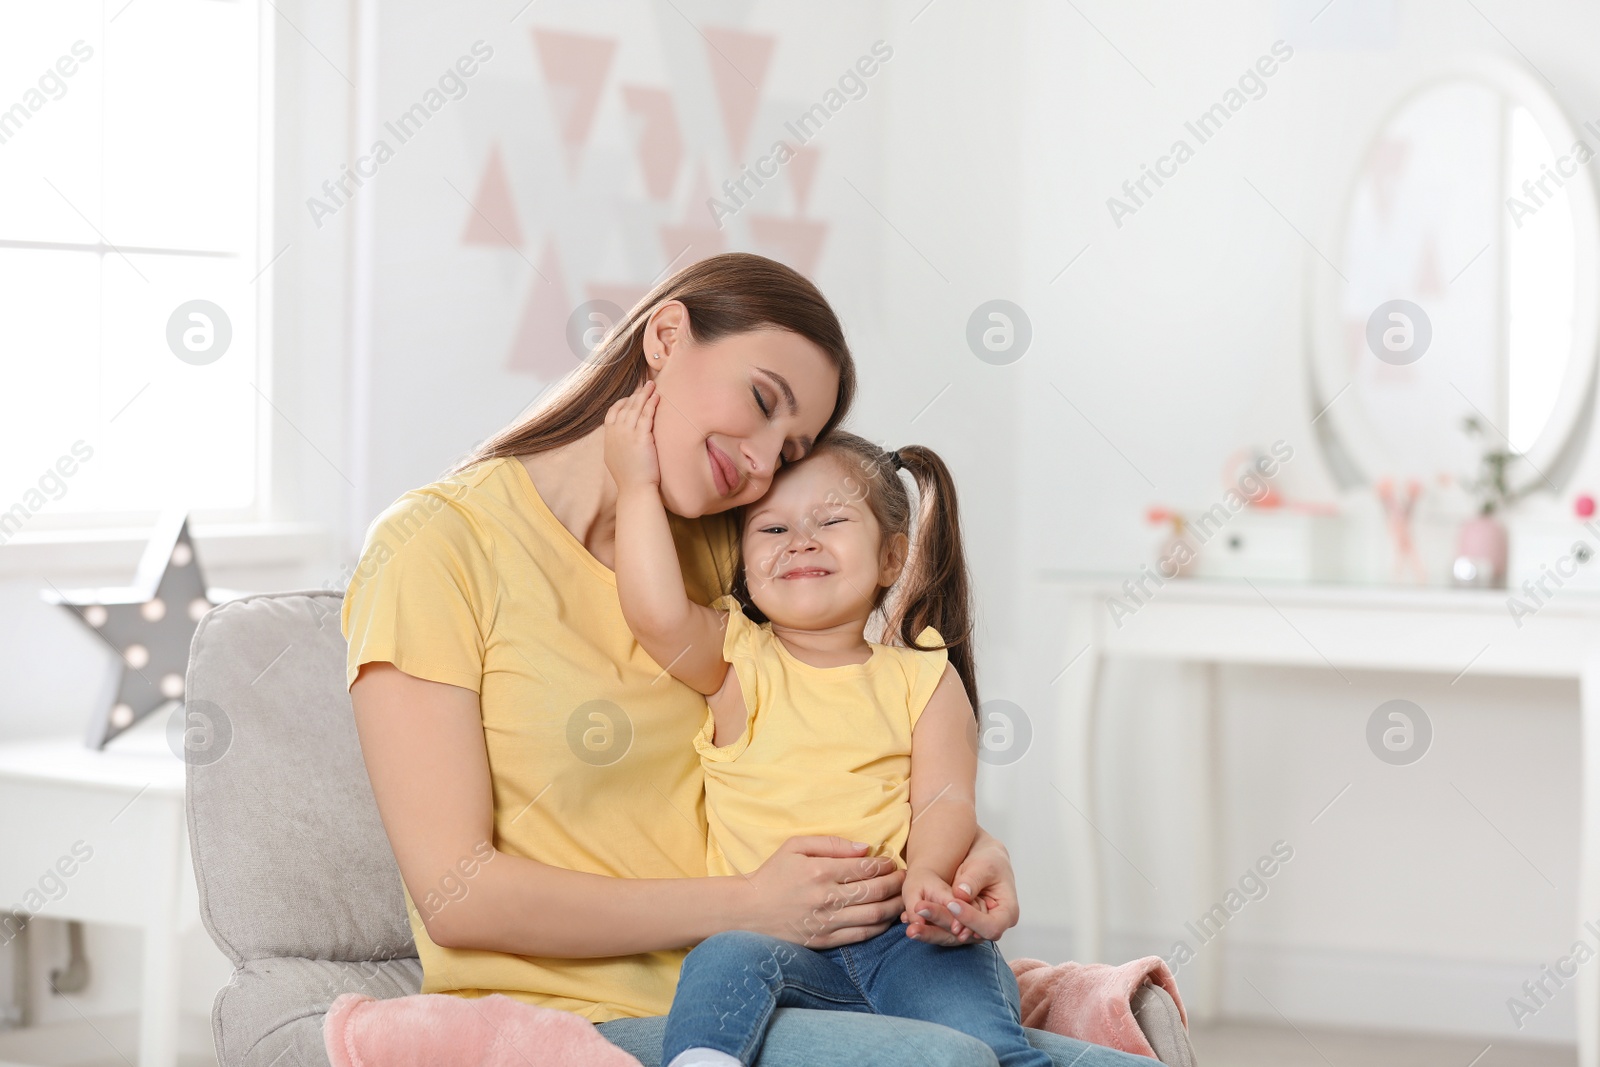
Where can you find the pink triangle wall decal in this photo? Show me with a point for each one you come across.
(738, 63)
(493, 218)
(540, 346)
(660, 143)
(575, 69)
(802, 172)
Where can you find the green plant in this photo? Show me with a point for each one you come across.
(1490, 486)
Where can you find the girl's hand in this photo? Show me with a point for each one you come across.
(927, 896)
(931, 920)
(821, 892)
(940, 926)
(630, 438)
(985, 904)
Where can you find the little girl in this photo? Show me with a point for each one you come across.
(814, 730)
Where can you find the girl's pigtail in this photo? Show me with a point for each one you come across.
(935, 589)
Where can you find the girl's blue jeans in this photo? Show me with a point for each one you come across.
(734, 982)
(805, 1037)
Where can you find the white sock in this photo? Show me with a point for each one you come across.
(703, 1057)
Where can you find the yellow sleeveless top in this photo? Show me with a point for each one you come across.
(825, 750)
(473, 581)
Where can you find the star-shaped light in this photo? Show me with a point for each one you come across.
(148, 624)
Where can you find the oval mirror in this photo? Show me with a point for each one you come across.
(1462, 283)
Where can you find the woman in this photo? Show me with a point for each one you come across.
(535, 769)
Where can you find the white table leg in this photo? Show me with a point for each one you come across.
(1588, 978)
(1078, 692)
(1202, 993)
(158, 994)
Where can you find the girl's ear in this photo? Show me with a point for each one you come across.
(894, 559)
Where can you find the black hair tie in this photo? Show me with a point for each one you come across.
(895, 461)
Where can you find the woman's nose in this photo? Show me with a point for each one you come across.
(762, 456)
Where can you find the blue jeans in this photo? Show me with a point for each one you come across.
(804, 1037)
(733, 983)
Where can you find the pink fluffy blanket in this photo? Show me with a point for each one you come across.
(1092, 1001)
(440, 1030)
(1089, 1001)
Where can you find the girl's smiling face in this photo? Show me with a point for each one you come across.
(733, 411)
(814, 553)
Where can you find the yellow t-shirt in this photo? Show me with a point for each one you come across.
(825, 750)
(473, 581)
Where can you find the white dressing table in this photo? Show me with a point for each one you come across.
(106, 831)
(1465, 633)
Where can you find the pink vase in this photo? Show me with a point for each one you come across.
(1178, 556)
(1480, 553)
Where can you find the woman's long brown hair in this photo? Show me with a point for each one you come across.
(727, 294)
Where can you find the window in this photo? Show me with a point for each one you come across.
(134, 231)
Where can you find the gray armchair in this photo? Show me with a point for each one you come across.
(298, 885)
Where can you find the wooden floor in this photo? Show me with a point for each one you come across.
(1259, 1045)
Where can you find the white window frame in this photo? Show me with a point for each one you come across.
(275, 532)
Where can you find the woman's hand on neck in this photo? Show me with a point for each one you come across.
(578, 489)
